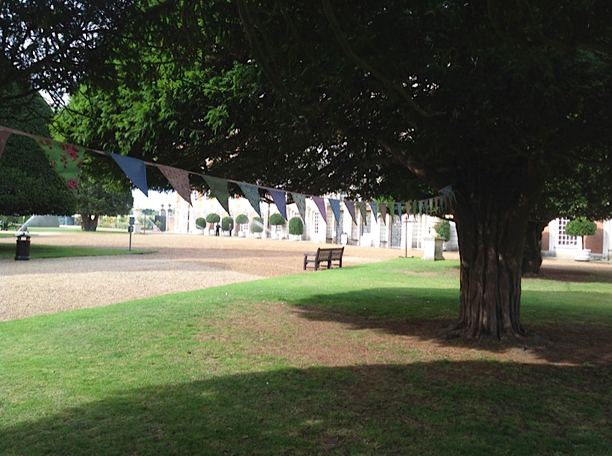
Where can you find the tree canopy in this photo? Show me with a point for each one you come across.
(496, 98)
(96, 198)
(28, 183)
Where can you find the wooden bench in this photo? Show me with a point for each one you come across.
(324, 255)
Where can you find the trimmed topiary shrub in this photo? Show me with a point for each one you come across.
(581, 226)
(242, 219)
(296, 227)
(227, 224)
(276, 219)
(213, 218)
(257, 225)
(444, 230)
(201, 222)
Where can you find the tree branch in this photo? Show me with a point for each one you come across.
(348, 51)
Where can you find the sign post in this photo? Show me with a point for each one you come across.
(131, 230)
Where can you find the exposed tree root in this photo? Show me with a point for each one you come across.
(528, 340)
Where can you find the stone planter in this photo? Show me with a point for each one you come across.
(295, 237)
(583, 255)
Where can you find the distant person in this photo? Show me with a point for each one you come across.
(217, 229)
(231, 227)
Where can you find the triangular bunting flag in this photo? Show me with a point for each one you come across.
(320, 202)
(66, 159)
(251, 193)
(383, 212)
(4, 135)
(335, 205)
(408, 209)
(399, 209)
(218, 187)
(374, 207)
(280, 199)
(300, 202)
(420, 206)
(179, 179)
(391, 208)
(364, 211)
(134, 169)
(351, 208)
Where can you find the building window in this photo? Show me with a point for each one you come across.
(316, 223)
(564, 238)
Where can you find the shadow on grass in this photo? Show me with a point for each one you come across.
(462, 408)
(574, 273)
(428, 313)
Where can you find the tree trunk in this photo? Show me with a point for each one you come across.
(492, 227)
(532, 257)
(89, 222)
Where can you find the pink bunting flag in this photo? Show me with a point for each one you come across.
(320, 202)
(4, 136)
(179, 179)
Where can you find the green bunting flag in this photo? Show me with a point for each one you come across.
(66, 159)
(300, 201)
(218, 187)
(4, 135)
(364, 211)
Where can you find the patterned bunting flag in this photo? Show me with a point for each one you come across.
(4, 136)
(179, 179)
(252, 194)
(320, 202)
(351, 208)
(280, 199)
(300, 201)
(374, 207)
(66, 159)
(364, 211)
(383, 212)
(218, 187)
(335, 205)
(134, 169)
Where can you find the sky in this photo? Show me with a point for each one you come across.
(154, 201)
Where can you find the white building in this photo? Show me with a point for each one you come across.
(405, 233)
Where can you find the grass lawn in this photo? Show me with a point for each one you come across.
(37, 251)
(345, 361)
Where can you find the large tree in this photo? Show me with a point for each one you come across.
(95, 198)
(28, 183)
(495, 98)
(51, 45)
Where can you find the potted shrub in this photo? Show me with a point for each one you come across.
(277, 220)
(227, 225)
(444, 230)
(581, 227)
(213, 219)
(257, 226)
(201, 223)
(296, 228)
(240, 221)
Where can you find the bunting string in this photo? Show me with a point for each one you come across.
(67, 160)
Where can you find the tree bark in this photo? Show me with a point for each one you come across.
(532, 257)
(492, 227)
(89, 222)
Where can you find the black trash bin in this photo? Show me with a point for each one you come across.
(23, 247)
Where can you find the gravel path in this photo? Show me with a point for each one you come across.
(181, 263)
